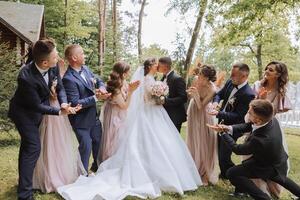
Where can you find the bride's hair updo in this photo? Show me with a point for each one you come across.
(116, 77)
(147, 65)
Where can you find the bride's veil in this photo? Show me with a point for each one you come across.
(137, 98)
(135, 107)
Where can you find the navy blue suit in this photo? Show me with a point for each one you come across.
(85, 123)
(29, 103)
(233, 114)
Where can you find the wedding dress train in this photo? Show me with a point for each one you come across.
(151, 157)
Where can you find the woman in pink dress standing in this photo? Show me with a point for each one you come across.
(114, 110)
(201, 141)
(59, 162)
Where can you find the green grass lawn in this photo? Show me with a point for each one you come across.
(9, 147)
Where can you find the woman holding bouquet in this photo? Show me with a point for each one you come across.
(114, 109)
(201, 140)
(151, 156)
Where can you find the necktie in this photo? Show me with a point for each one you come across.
(82, 75)
(164, 77)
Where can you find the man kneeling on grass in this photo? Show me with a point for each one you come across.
(268, 160)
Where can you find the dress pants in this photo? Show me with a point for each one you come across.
(240, 176)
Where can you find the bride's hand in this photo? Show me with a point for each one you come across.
(133, 86)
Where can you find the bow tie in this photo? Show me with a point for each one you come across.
(235, 86)
(44, 73)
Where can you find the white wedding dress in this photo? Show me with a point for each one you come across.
(151, 157)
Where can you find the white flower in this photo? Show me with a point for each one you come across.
(231, 101)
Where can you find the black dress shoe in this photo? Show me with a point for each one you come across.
(223, 177)
(94, 168)
(238, 194)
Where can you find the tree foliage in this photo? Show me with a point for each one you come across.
(249, 25)
(8, 75)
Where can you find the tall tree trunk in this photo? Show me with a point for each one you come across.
(190, 53)
(259, 60)
(101, 39)
(114, 26)
(141, 15)
(65, 22)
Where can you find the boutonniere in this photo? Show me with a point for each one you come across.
(54, 82)
(94, 82)
(231, 101)
(219, 106)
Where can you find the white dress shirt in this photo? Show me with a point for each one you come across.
(234, 91)
(42, 71)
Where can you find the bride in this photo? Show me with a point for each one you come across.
(151, 157)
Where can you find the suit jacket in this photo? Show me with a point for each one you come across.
(31, 99)
(174, 103)
(81, 92)
(235, 113)
(265, 145)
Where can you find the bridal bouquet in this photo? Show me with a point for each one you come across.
(159, 90)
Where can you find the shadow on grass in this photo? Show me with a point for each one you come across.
(9, 142)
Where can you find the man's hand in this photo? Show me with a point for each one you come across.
(102, 95)
(219, 127)
(66, 109)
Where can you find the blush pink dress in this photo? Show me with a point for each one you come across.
(202, 141)
(59, 162)
(113, 121)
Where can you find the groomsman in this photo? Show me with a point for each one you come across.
(236, 96)
(174, 103)
(82, 87)
(268, 160)
(28, 105)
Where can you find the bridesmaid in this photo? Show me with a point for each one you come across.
(201, 141)
(59, 162)
(273, 88)
(114, 110)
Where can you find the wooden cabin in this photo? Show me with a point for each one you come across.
(21, 25)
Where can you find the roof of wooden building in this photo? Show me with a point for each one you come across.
(25, 20)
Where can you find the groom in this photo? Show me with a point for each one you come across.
(174, 103)
(82, 87)
(28, 105)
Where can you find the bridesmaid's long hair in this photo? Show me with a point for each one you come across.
(116, 77)
(147, 65)
(280, 68)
